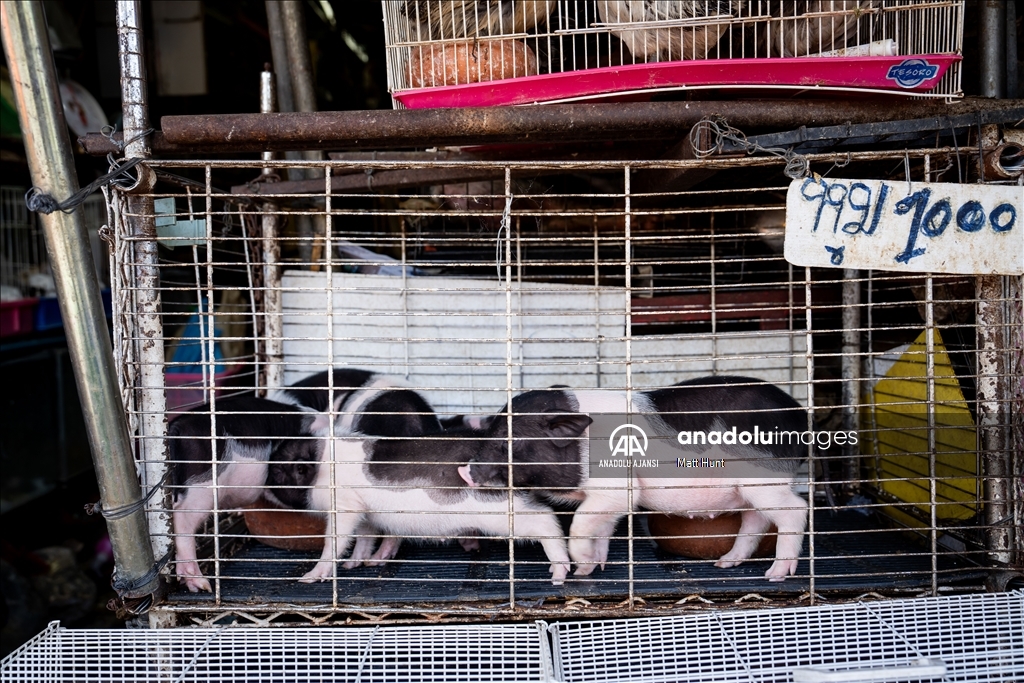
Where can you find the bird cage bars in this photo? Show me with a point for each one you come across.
(441, 52)
(440, 292)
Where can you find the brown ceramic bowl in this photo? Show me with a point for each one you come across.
(284, 528)
(689, 537)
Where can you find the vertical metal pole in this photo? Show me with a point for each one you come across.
(628, 259)
(268, 105)
(994, 415)
(300, 66)
(808, 310)
(146, 274)
(27, 49)
(930, 335)
(301, 69)
(279, 53)
(851, 374)
(282, 73)
(272, 307)
(506, 223)
(993, 392)
(993, 48)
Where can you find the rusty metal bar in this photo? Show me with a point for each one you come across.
(551, 123)
(273, 367)
(994, 415)
(48, 149)
(993, 407)
(850, 367)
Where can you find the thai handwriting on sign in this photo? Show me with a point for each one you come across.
(929, 218)
(884, 221)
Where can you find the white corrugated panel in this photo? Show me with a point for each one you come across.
(461, 334)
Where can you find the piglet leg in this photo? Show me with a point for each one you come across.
(538, 523)
(190, 511)
(788, 512)
(547, 530)
(363, 548)
(387, 550)
(753, 526)
(336, 542)
(592, 528)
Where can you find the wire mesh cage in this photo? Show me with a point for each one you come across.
(442, 52)
(25, 269)
(412, 337)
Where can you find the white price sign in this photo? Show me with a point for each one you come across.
(899, 226)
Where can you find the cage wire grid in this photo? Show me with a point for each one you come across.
(451, 43)
(973, 637)
(25, 265)
(599, 285)
(977, 638)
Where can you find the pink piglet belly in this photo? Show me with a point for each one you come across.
(692, 497)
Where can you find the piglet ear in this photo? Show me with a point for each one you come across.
(564, 429)
(466, 476)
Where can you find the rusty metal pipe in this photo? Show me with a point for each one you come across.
(389, 129)
(430, 127)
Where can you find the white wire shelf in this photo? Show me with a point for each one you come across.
(971, 637)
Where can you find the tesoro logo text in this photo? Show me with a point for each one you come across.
(911, 73)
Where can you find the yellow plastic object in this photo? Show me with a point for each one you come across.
(895, 428)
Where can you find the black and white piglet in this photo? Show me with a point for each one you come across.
(364, 402)
(399, 411)
(412, 488)
(551, 455)
(249, 431)
(268, 447)
(370, 403)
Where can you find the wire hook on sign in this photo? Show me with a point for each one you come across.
(797, 165)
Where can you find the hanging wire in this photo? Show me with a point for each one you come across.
(797, 165)
(39, 201)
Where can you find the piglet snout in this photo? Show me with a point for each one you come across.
(466, 476)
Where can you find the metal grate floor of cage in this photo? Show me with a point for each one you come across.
(851, 555)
